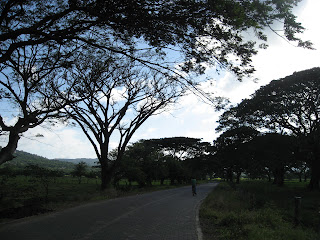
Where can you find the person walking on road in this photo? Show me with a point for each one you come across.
(194, 184)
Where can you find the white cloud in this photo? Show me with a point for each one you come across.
(117, 95)
(145, 133)
(282, 58)
(57, 142)
(10, 121)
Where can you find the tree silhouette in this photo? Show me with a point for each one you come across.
(118, 97)
(31, 84)
(142, 163)
(80, 170)
(232, 151)
(202, 31)
(274, 152)
(289, 105)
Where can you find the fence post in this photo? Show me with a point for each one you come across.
(297, 210)
(319, 221)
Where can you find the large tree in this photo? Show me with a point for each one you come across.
(143, 163)
(118, 95)
(180, 147)
(178, 158)
(187, 157)
(30, 86)
(232, 150)
(274, 153)
(289, 105)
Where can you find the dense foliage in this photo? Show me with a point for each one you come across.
(231, 152)
(205, 31)
(288, 106)
(178, 159)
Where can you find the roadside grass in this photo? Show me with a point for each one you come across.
(256, 210)
(23, 196)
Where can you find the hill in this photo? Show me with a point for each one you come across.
(23, 159)
(89, 161)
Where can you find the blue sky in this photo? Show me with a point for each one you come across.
(191, 117)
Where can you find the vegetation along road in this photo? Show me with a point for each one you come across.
(167, 214)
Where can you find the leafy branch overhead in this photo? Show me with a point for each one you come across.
(203, 32)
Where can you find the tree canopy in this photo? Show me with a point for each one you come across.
(231, 149)
(288, 106)
(180, 147)
(207, 31)
(176, 158)
(31, 84)
(290, 103)
(272, 153)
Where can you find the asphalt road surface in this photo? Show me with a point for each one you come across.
(167, 215)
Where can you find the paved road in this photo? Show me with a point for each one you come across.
(167, 215)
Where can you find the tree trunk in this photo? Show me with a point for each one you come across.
(305, 176)
(269, 177)
(300, 177)
(315, 174)
(230, 175)
(149, 182)
(106, 178)
(171, 181)
(6, 153)
(238, 177)
(278, 176)
(106, 173)
(162, 181)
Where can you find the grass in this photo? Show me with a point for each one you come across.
(258, 210)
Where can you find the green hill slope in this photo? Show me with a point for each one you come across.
(88, 161)
(23, 159)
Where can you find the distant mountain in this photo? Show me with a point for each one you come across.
(89, 161)
(23, 159)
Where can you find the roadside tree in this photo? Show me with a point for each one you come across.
(118, 95)
(30, 86)
(191, 155)
(143, 160)
(180, 147)
(232, 151)
(80, 170)
(177, 159)
(274, 152)
(289, 105)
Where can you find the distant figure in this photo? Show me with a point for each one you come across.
(194, 184)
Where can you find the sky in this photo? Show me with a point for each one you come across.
(191, 117)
